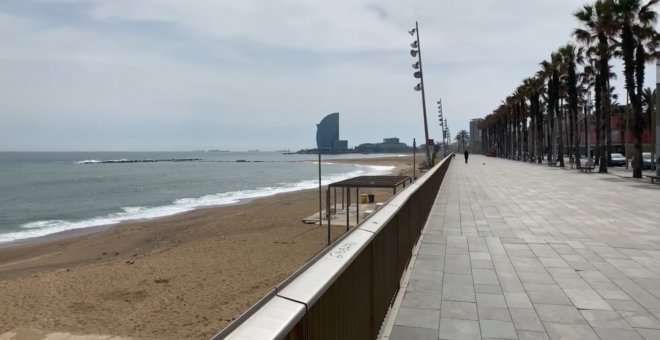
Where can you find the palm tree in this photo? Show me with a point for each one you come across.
(521, 106)
(598, 27)
(550, 72)
(462, 137)
(533, 88)
(637, 27)
(571, 56)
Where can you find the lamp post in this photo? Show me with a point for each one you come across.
(446, 134)
(657, 118)
(417, 52)
(586, 129)
(442, 128)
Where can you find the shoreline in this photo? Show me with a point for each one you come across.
(98, 228)
(176, 277)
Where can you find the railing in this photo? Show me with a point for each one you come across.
(346, 290)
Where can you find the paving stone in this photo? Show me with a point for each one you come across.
(493, 313)
(569, 283)
(640, 319)
(482, 264)
(459, 329)
(485, 276)
(459, 280)
(413, 333)
(547, 294)
(649, 334)
(429, 286)
(498, 329)
(417, 317)
(459, 310)
(535, 277)
(488, 289)
(457, 264)
(517, 300)
(431, 249)
(421, 300)
(570, 332)
(563, 272)
(610, 291)
(526, 320)
(426, 274)
(458, 293)
(587, 299)
(604, 319)
(617, 334)
(526, 335)
(429, 262)
(626, 305)
(491, 300)
(559, 314)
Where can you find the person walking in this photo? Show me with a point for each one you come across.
(466, 154)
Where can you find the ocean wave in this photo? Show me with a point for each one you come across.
(43, 228)
(89, 161)
(122, 161)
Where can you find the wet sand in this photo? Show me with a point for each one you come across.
(181, 277)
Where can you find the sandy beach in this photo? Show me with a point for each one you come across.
(181, 277)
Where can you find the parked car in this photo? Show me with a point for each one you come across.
(647, 162)
(618, 159)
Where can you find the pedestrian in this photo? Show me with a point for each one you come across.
(466, 154)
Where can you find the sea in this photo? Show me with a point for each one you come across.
(43, 193)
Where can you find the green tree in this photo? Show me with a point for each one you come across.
(571, 56)
(463, 138)
(598, 26)
(637, 33)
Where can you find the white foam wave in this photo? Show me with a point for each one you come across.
(89, 161)
(42, 228)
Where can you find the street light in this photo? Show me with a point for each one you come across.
(417, 52)
(442, 128)
(586, 130)
(657, 118)
(445, 134)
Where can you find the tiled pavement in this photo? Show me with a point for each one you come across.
(522, 251)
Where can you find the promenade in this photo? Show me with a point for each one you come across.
(514, 250)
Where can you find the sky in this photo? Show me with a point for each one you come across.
(170, 75)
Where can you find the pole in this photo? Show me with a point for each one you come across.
(657, 118)
(625, 131)
(421, 72)
(320, 193)
(327, 199)
(587, 155)
(414, 154)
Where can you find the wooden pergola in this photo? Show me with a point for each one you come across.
(391, 182)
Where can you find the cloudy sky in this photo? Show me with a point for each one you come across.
(238, 75)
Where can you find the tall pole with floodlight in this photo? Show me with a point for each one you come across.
(417, 52)
(442, 127)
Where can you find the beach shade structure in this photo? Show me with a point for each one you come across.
(382, 182)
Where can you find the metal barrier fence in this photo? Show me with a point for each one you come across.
(346, 290)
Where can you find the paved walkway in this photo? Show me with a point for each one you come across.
(521, 251)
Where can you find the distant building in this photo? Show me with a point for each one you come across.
(327, 135)
(388, 145)
(475, 136)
